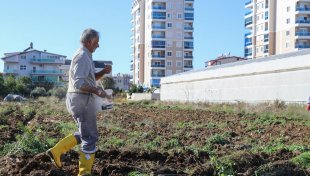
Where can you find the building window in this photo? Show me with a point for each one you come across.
(179, 54)
(33, 57)
(23, 57)
(288, 8)
(179, 16)
(169, 25)
(287, 33)
(169, 63)
(179, 44)
(22, 67)
(179, 64)
(288, 21)
(287, 44)
(169, 53)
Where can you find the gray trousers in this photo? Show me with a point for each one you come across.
(82, 108)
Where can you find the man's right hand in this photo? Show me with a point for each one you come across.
(101, 93)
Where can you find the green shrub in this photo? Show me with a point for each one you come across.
(38, 92)
(58, 92)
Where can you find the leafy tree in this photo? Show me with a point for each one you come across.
(135, 89)
(2, 87)
(108, 82)
(59, 92)
(10, 84)
(23, 85)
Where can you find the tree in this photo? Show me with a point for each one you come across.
(38, 92)
(10, 84)
(108, 83)
(2, 87)
(23, 85)
(135, 89)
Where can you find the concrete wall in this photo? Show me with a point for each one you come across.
(285, 77)
(144, 96)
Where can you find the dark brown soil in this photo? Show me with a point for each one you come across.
(162, 122)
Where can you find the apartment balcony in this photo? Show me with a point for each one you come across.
(248, 23)
(189, 18)
(159, 7)
(248, 13)
(158, 56)
(249, 4)
(157, 75)
(302, 35)
(158, 36)
(158, 66)
(302, 46)
(47, 72)
(302, 10)
(188, 66)
(189, 37)
(188, 47)
(248, 35)
(158, 27)
(303, 22)
(266, 51)
(10, 71)
(188, 28)
(188, 57)
(159, 15)
(50, 61)
(248, 44)
(11, 60)
(247, 54)
(266, 39)
(158, 46)
(189, 9)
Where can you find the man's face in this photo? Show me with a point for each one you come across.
(93, 44)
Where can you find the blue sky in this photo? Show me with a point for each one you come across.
(55, 25)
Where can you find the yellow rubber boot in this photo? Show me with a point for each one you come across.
(86, 163)
(60, 148)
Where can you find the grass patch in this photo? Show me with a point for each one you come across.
(66, 128)
(302, 160)
(30, 142)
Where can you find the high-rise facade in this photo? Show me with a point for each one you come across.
(162, 39)
(276, 27)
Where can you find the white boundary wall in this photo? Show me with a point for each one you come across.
(284, 77)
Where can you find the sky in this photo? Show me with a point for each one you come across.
(56, 25)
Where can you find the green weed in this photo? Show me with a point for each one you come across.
(303, 160)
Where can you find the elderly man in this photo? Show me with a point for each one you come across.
(80, 103)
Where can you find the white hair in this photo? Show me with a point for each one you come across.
(88, 35)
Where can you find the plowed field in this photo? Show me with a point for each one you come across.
(152, 139)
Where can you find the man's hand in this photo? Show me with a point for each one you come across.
(107, 69)
(101, 93)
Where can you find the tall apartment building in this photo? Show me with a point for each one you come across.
(162, 39)
(40, 66)
(276, 27)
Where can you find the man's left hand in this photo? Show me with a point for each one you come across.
(107, 69)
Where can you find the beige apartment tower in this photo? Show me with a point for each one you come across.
(276, 27)
(162, 39)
